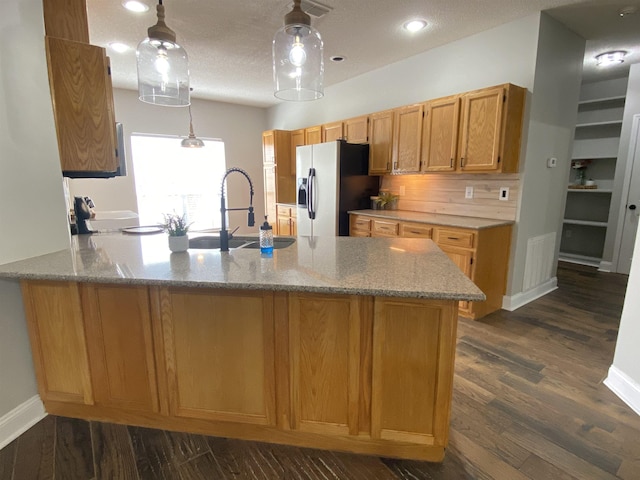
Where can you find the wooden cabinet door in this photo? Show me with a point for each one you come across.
(332, 132)
(120, 345)
(219, 354)
(54, 318)
(297, 139)
(464, 260)
(407, 139)
(413, 352)
(269, 177)
(356, 130)
(380, 142)
(481, 129)
(294, 226)
(324, 351)
(313, 135)
(440, 135)
(269, 147)
(284, 226)
(80, 85)
(66, 19)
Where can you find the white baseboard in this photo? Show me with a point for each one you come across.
(518, 300)
(605, 266)
(20, 419)
(624, 387)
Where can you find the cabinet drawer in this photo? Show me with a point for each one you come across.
(455, 237)
(361, 223)
(415, 230)
(284, 210)
(383, 228)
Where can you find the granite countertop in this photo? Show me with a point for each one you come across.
(400, 267)
(435, 218)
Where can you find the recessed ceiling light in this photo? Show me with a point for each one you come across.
(338, 58)
(118, 47)
(610, 58)
(623, 12)
(415, 25)
(135, 6)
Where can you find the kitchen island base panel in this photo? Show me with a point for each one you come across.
(360, 444)
(362, 374)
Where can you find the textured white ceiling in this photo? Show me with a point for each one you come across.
(229, 41)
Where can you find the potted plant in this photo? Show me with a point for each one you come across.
(177, 227)
(387, 200)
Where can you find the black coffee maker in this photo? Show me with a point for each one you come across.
(83, 213)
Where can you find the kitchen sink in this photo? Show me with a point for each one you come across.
(213, 241)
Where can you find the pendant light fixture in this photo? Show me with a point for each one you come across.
(298, 67)
(163, 66)
(191, 141)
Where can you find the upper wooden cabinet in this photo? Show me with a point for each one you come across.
(440, 135)
(332, 131)
(297, 139)
(380, 142)
(313, 135)
(279, 170)
(356, 130)
(80, 82)
(491, 129)
(66, 19)
(407, 138)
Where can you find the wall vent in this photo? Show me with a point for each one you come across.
(314, 9)
(539, 261)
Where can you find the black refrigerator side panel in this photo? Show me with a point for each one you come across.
(356, 186)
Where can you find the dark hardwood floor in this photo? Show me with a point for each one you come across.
(529, 403)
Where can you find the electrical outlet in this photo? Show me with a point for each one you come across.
(504, 193)
(401, 190)
(552, 162)
(468, 192)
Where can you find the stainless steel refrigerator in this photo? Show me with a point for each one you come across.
(332, 179)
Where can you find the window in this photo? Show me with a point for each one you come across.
(170, 178)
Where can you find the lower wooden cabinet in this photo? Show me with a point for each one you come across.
(117, 324)
(354, 373)
(58, 342)
(287, 224)
(482, 255)
(219, 354)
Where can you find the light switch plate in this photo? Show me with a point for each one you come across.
(401, 190)
(504, 193)
(468, 192)
(552, 162)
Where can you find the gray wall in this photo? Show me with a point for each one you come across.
(240, 127)
(504, 54)
(32, 208)
(553, 112)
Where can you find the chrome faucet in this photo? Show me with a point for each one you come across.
(224, 233)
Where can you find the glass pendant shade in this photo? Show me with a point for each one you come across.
(298, 67)
(163, 67)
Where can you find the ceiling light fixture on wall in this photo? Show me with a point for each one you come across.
(298, 66)
(163, 67)
(610, 58)
(191, 141)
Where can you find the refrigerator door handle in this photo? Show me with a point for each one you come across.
(310, 207)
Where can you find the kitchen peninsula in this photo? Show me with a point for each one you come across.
(337, 343)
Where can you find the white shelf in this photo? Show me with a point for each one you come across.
(586, 223)
(600, 124)
(617, 98)
(589, 190)
(580, 259)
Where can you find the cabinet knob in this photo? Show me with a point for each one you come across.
(632, 207)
